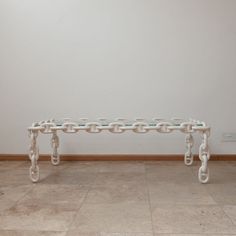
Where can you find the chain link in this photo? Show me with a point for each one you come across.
(69, 127)
(204, 148)
(115, 127)
(121, 125)
(93, 127)
(187, 127)
(33, 149)
(163, 127)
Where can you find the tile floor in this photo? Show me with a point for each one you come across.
(117, 199)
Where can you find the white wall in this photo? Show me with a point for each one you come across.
(117, 58)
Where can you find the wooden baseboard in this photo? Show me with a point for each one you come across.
(116, 157)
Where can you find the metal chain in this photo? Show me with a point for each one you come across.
(204, 155)
(119, 126)
(188, 157)
(33, 149)
(204, 148)
(55, 158)
(34, 156)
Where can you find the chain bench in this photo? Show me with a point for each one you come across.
(119, 126)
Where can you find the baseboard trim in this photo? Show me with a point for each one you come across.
(116, 157)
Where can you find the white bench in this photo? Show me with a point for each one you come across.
(119, 126)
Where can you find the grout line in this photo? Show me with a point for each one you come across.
(82, 203)
(148, 195)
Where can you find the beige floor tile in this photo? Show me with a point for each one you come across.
(116, 217)
(7, 179)
(114, 198)
(191, 220)
(36, 217)
(6, 204)
(151, 165)
(219, 174)
(44, 167)
(74, 232)
(68, 197)
(8, 167)
(72, 178)
(194, 234)
(230, 210)
(30, 233)
(172, 174)
(20, 174)
(222, 193)
(117, 194)
(232, 163)
(82, 166)
(11, 193)
(176, 193)
(123, 167)
(118, 178)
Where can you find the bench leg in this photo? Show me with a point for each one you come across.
(55, 157)
(188, 157)
(204, 156)
(34, 156)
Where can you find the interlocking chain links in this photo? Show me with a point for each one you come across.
(33, 149)
(204, 155)
(116, 127)
(204, 147)
(55, 157)
(120, 125)
(188, 157)
(34, 156)
(69, 127)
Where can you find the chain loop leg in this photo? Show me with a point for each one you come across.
(34, 155)
(204, 155)
(188, 157)
(55, 157)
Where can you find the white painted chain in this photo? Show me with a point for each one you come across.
(33, 149)
(164, 127)
(119, 126)
(189, 141)
(54, 140)
(116, 127)
(69, 127)
(187, 127)
(204, 148)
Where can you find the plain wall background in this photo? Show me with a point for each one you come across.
(117, 58)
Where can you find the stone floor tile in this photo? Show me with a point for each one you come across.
(118, 178)
(230, 210)
(117, 194)
(74, 232)
(191, 220)
(65, 196)
(36, 217)
(116, 217)
(219, 174)
(123, 167)
(151, 165)
(173, 174)
(6, 166)
(72, 178)
(194, 234)
(113, 197)
(222, 193)
(31, 233)
(176, 193)
(11, 193)
(83, 166)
